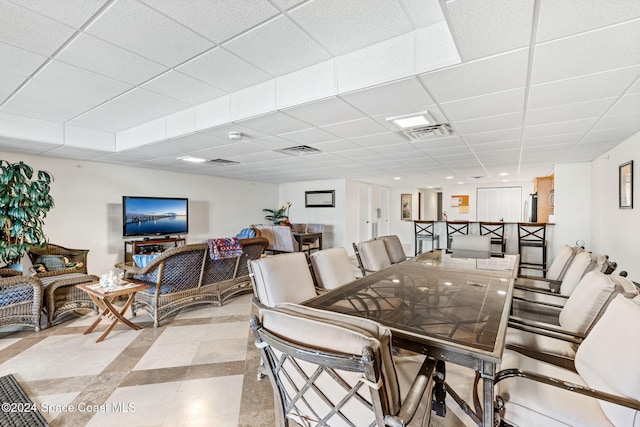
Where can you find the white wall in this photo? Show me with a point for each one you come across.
(429, 205)
(616, 232)
(572, 201)
(88, 204)
(333, 218)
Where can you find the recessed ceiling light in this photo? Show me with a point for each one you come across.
(460, 182)
(396, 178)
(503, 173)
(505, 180)
(429, 186)
(192, 159)
(448, 177)
(423, 118)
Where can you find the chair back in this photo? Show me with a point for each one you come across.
(394, 248)
(372, 256)
(455, 228)
(332, 268)
(252, 248)
(281, 278)
(315, 228)
(532, 233)
(495, 230)
(423, 230)
(299, 228)
(562, 261)
(582, 263)
(325, 370)
(285, 242)
(471, 243)
(266, 231)
(607, 358)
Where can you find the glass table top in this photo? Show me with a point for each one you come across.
(435, 297)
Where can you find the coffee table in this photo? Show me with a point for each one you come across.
(105, 298)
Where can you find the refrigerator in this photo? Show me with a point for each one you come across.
(531, 208)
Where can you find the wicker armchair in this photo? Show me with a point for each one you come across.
(20, 301)
(186, 275)
(60, 292)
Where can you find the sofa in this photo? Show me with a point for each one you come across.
(60, 269)
(186, 275)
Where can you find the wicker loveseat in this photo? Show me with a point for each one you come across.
(186, 275)
(60, 292)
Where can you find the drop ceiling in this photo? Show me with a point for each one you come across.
(524, 85)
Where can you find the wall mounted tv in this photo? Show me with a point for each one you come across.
(154, 216)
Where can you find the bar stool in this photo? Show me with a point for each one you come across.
(533, 235)
(456, 228)
(495, 230)
(423, 230)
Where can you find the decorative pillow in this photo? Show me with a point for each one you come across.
(142, 260)
(51, 262)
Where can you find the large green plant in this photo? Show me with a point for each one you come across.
(24, 203)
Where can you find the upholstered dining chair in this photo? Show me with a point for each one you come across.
(558, 267)
(313, 245)
(329, 369)
(558, 339)
(455, 228)
(372, 256)
(602, 389)
(332, 268)
(394, 248)
(495, 230)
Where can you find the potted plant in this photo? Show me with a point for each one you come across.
(279, 216)
(24, 203)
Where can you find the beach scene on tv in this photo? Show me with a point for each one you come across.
(149, 216)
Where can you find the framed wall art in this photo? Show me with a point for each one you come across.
(405, 205)
(625, 185)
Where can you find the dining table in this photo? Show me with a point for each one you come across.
(453, 307)
(304, 238)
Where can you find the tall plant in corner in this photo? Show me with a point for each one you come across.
(24, 203)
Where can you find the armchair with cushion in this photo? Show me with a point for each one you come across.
(331, 369)
(60, 269)
(20, 301)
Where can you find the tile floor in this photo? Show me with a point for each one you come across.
(197, 369)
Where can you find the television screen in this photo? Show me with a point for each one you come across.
(152, 216)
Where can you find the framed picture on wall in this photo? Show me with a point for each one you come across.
(625, 185)
(320, 199)
(405, 205)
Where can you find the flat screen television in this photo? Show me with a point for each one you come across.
(154, 216)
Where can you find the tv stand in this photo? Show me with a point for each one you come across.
(148, 246)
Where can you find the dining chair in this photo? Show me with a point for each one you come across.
(315, 243)
(332, 268)
(455, 228)
(372, 256)
(394, 248)
(328, 369)
(602, 389)
(495, 230)
(424, 231)
(559, 265)
(559, 338)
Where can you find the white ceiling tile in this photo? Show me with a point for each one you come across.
(142, 98)
(222, 132)
(486, 124)
(72, 99)
(395, 98)
(23, 28)
(73, 78)
(495, 74)
(422, 13)
(213, 113)
(309, 84)
(327, 111)
(615, 47)
(19, 61)
(141, 30)
(308, 136)
(183, 87)
(489, 105)
(355, 128)
(571, 126)
(576, 111)
(435, 143)
(71, 12)
(113, 117)
(583, 88)
(611, 121)
(37, 108)
(564, 139)
(217, 20)
(344, 27)
(563, 18)
(492, 147)
(490, 26)
(270, 143)
(278, 47)
(627, 104)
(335, 146)
(19, 146)
(76, 153)
(376, 140)
(493, 136)
(435, 48)
(221, 69)
(8, 83)
(385, 61)
(96, 55)
(253, 101)
(274, 123)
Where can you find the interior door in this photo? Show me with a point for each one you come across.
(364, 212)
(383, 212)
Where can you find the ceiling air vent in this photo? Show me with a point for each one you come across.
(222, 162)
(431, 131)
(300, 150)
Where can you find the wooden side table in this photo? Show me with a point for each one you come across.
(104, 299)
